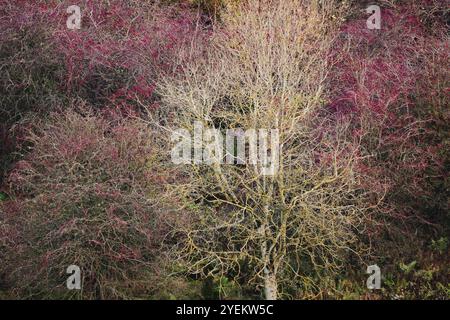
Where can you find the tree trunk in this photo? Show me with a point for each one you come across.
(270, 286)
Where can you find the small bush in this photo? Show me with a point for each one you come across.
(30, 70)
(86, 194)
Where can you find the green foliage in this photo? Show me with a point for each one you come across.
(440, 245)
(221, 288)
(3, 196)
(407, 268)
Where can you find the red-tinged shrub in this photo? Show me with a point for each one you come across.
(84, 195)
(116, 56)
(113, 61)
(392, 85)
(30, 69)
(121, 49)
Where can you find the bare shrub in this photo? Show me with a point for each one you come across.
(391, 87)
(86, 194)
(121, 49)
(30, 71)
(112, 62)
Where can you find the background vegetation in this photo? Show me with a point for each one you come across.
(86, 177)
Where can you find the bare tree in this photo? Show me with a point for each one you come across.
(265, 69)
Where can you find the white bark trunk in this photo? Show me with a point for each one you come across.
(270, 287)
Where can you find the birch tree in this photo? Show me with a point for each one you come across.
(265, 69)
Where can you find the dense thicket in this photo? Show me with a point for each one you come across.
(86, 177)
